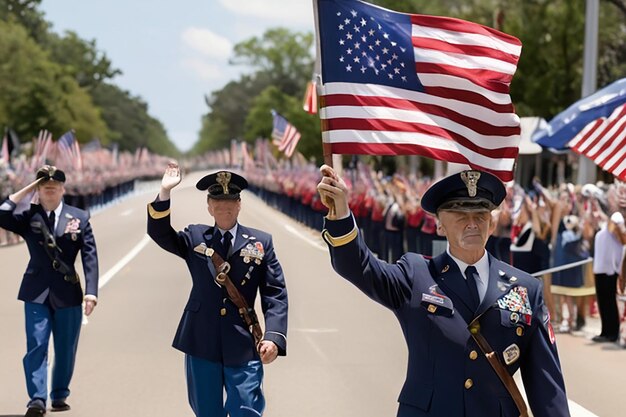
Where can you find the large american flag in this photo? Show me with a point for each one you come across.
(604, 142)
(396, 83)
(284, 135)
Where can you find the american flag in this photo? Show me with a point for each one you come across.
(284, 135)
(69, 150)
(604, 142)
(396, 83)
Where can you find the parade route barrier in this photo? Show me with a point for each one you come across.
(572, 291)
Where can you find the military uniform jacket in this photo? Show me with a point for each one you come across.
(447, 374)
(211, 327)
(73, 234)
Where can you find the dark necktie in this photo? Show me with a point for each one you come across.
(51, 218)
(470, 274)
(227, 243)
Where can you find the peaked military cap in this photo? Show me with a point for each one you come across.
(465, 191)
(50, 172)
(223, 185)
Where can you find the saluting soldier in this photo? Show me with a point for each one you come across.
(229, 264)
(470, 320)
(54, 232)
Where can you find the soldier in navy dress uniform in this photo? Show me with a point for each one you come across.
(54, 232)
(470, 321)
(220, 351)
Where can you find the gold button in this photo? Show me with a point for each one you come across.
(473, 355)
(222, 312)
(519, 331)
(468, 383)
(432, 308)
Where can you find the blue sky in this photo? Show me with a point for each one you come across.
(173, 53)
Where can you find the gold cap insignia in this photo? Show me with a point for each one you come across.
(470, 178)
(223, 178)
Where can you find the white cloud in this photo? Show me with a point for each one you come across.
(288, 13)
(203, 69)
(207, 43)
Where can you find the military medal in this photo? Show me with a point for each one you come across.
(73, 227)
(252, 252)
(516, 301)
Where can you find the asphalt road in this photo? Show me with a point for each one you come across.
(346, 356)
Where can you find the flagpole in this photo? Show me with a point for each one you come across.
(586, 167)
(326, 147)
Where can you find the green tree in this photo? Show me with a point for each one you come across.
(35, 93)
(81, 59)
(131, 125)
(281, 56)
(25, 13)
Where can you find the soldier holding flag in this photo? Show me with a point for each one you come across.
(470, 321)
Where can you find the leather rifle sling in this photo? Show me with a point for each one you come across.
(500, 370)
(248, 314)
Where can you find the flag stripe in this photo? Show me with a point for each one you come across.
(486, 35)
(610, 127)
(604, 142)
(462, 84)
(362, 93)
(421, 149)
(390, 126)
(464, 51)
(616, 140)
(461, 60)
(354, 114)
(491, 80)
(409, 138)
(465, 97)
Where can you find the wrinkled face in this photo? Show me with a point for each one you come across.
(50, 194)
(466, 230)
(225, 212)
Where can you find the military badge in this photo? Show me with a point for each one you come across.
(435, 302)
(223, 178)
(511, 354)
(204, 250)
(470, 178)
(516, 301)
